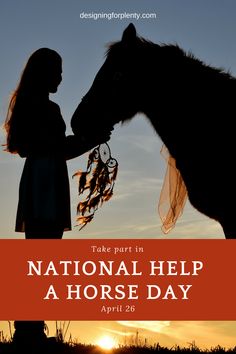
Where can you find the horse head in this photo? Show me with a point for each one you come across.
(115, 93)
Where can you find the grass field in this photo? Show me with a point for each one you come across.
(55, 347)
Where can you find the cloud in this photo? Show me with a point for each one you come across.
(205, 334)
(153, 326)
(117, 332)
(132, 211)
(136, 142)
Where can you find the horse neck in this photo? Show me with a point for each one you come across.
(161, 99)
(178, 97)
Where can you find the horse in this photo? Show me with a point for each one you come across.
(190, 105)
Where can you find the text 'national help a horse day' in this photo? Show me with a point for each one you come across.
(111, 280)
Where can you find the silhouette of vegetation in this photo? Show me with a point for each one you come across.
(72, 347)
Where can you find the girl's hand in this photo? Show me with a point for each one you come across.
(77, 145)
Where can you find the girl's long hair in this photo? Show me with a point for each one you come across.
(33, 79)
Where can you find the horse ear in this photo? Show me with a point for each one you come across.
(129, 34)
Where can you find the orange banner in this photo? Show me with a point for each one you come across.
(118, 279)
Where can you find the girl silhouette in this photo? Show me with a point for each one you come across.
(36, 130)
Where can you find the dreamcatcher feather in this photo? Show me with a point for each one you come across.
(98, 181)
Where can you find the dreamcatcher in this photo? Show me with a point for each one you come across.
(98, 180)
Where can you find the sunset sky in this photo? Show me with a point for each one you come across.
(205, 334)
(207, 28)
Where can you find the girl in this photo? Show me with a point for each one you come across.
(36, 130)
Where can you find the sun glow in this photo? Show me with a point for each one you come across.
(106, 342)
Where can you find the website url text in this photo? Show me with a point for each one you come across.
(117, 16)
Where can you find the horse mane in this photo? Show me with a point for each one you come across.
(174, 52)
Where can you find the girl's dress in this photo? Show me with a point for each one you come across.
(44, 197)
